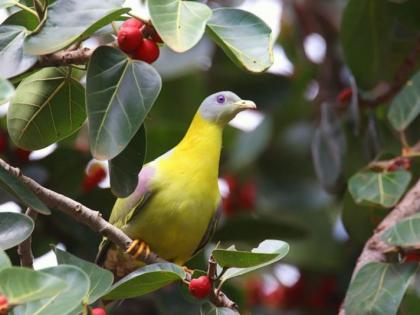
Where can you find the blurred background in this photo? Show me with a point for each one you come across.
(280, 176)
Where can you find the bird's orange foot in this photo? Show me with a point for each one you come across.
(138, 247)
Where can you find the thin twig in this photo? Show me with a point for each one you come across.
(375, 248)
(93, 219)
(24, 249)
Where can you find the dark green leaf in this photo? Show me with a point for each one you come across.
(144, 280)
(405, 107)
(14, 229)
(383, 189)
(72, 20)
(125, 167)
(328, 149)
(13, 60)
(49, 106)
(63, 301)
(100, 279)
(244, 37)
(210, 309)
(378, 289)
(22, 18)
(181, 24)
(6, 91)
(15, 187)
(120, 93)
(22, 285)
(228, 258)
(258, 258)
(4, 260)
(404, 233)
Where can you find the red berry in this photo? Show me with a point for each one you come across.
(200, 287)
(98, 311)
(132, 22)
(96, 174)
(4, 305)
(248, 195)
(148, 51)
(129, 39)
(345, 95)
(22, 155)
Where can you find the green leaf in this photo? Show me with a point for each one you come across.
(210, 309)
(64, 301)
(405, 107)
(383, 189)
(228, 258)
(49, 106)
(22, 18)
(13, 60)
(365, 36)
(72, 20)
(15, 187)
(181, 24)
(120, 93)
(99, 278)
(6, 91)
(125, 167)
(14, 229)
(4, 260)
(145, 280)
(244, 37)
(267, 253)
(378, 289)
(22, 285)
(404, 232)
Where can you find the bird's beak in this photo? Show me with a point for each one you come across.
(244, 104)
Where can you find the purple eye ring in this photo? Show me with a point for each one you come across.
(220, 99)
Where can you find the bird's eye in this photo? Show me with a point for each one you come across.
(220, 99)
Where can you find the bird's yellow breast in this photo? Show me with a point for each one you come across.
(187, 195)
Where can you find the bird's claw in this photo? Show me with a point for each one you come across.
(138, 247)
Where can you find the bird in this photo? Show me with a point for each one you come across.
(176, 205)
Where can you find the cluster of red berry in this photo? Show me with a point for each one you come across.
(399, 163)
(139, 40)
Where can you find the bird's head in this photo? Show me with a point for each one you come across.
(221, 107)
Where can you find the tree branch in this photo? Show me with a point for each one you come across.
(78, 56)
(93, 219)
(375, 248)
(24, 249)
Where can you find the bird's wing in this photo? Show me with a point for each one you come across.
(125, 208)
(211, 228)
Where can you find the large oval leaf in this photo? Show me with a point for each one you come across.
(13, 60)
(22, 18)
(244, 37)
(100, 279)
(144, 280)
(406, 105)
(64, 301)
(181, 24)
(267, 253)
(6, 90)
(383, 189)
(125, 167)
(14, 229)
(22, 285)
(404, 232)
(119, 94)
(72, 20)
(49, 106)
(378, 288)
(15, 187)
